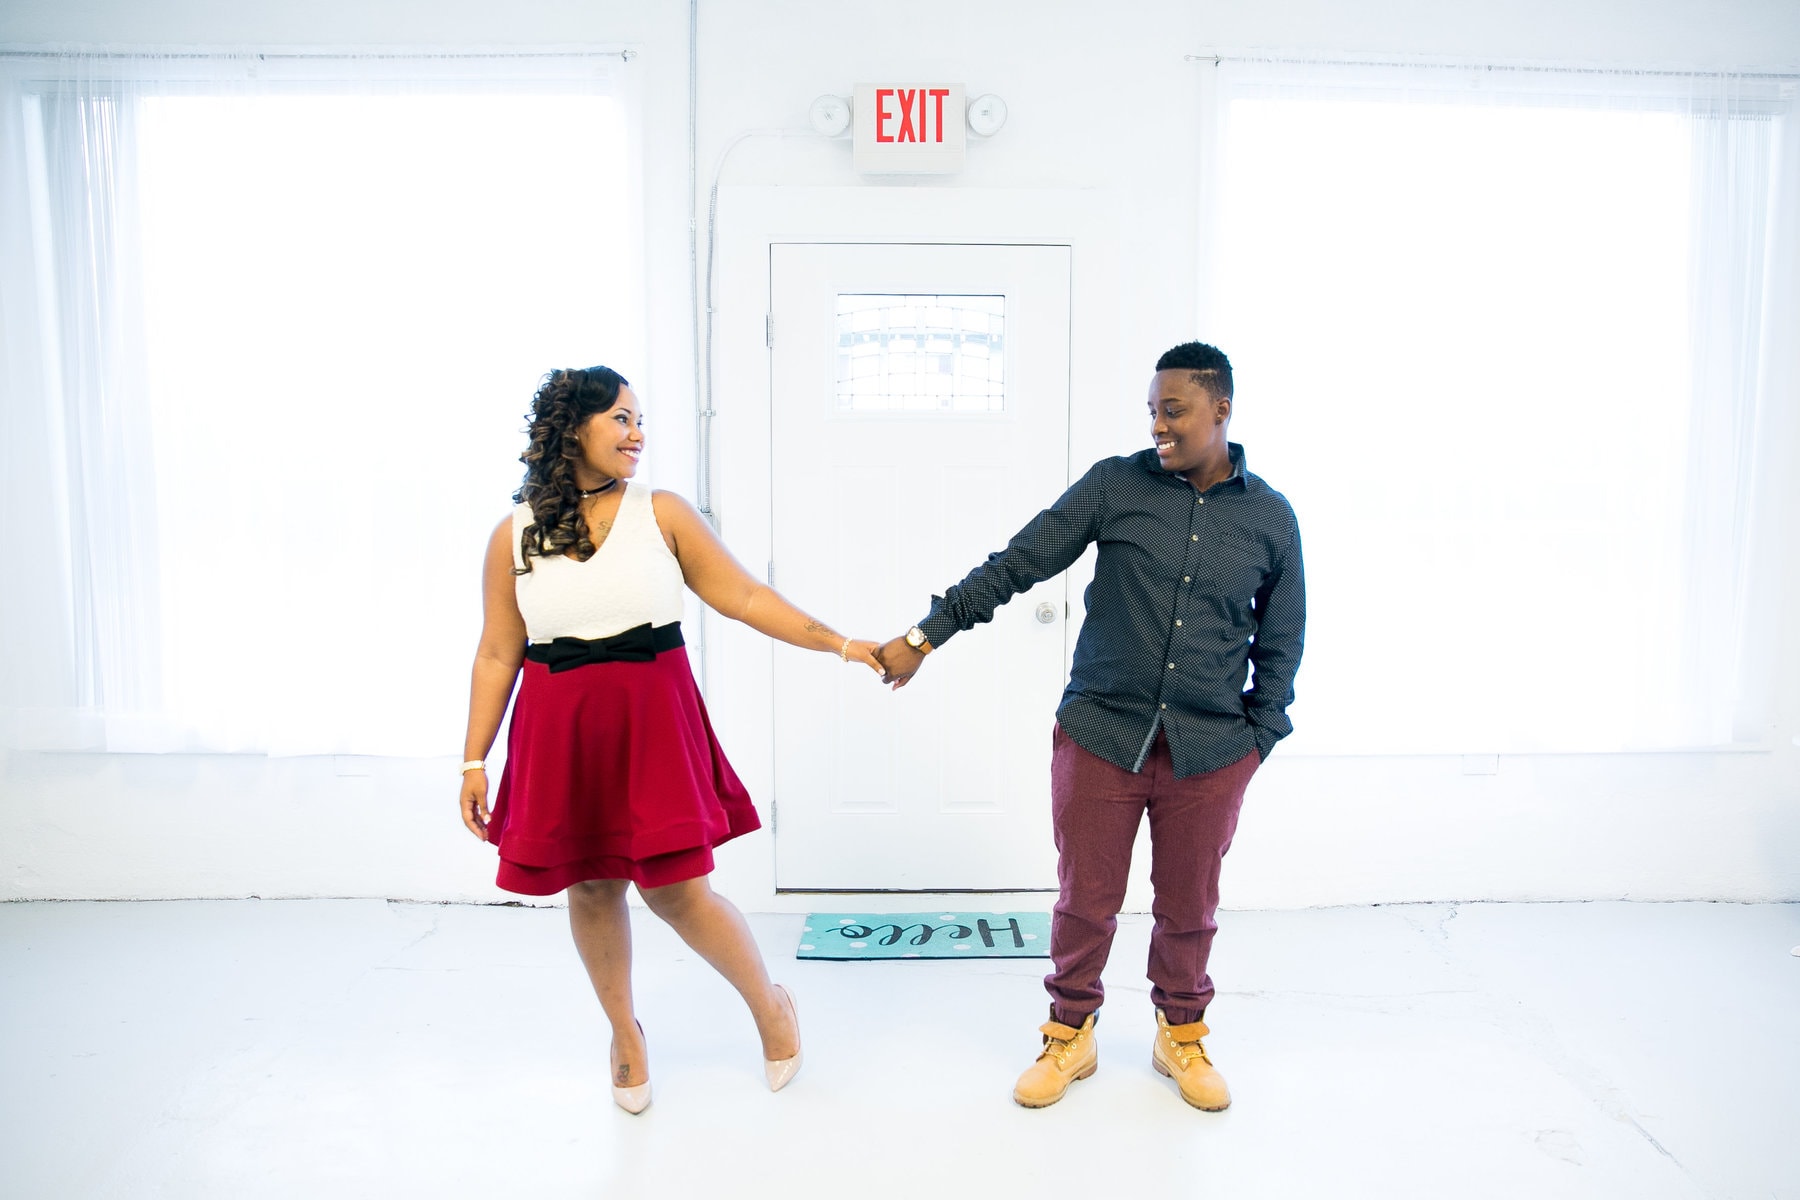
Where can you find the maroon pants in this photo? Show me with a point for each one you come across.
(1096, 808)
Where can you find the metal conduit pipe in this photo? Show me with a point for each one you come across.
(703, 414)
(704, 410)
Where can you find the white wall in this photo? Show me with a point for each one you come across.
(1105, 105)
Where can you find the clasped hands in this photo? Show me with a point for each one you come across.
(899, 662)
(895, 661)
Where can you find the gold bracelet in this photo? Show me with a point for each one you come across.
(474, 764)
(844, 650)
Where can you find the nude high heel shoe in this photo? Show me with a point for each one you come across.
(780, 1071)
(634, 1099)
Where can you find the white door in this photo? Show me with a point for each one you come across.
(920, 407)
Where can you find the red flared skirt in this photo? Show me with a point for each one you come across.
(613, 772)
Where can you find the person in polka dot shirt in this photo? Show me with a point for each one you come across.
(1198, 590)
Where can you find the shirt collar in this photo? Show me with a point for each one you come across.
(1239, 473)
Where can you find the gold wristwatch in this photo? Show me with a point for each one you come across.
(915, 637)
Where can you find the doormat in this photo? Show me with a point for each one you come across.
(852, 937)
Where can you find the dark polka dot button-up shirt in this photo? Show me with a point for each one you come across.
(1192, 590)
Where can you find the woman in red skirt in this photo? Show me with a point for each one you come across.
(613, 776)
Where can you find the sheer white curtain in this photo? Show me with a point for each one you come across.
(271, 325)
(1502, 338)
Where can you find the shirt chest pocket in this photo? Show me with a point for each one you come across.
(1239, 565)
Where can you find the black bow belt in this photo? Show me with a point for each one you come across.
(640, 643)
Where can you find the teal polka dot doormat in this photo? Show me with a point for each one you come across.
(847, 937)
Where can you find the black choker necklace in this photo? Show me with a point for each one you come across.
(608, 486)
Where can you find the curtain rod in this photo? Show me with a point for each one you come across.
(308, 55)
(1218, 57)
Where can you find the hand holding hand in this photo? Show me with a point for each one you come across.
(474, 802)
(863, 652)
(900, 660)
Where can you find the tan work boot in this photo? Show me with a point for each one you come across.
(1069, 1054)
(1177, 1053)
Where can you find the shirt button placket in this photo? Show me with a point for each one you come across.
(1193, 539)
(1186, 579)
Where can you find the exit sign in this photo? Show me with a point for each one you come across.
(909, 128)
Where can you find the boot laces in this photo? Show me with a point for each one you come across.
(1058, 1049)
(1187, 1053)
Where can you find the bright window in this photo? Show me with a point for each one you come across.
(1468, 351)
(329, 306)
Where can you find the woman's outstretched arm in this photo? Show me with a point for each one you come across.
(721, 581)
(497, 661)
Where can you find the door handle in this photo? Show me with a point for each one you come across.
(1046, 613)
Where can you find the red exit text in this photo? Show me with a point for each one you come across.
(910, 114)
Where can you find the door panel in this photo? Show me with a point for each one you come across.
(920, 417)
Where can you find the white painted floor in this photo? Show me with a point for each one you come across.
(359, 1048)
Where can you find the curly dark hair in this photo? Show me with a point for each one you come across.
(1207, 365)
(564, 401)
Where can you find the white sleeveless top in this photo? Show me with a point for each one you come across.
(631, 579)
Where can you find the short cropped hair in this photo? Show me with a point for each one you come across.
(1207, 364)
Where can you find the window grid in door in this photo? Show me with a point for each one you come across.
(921, 353)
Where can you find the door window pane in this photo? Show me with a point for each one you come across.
(921, 353)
